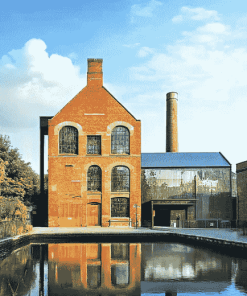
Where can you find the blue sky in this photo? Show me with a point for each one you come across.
(149, 48)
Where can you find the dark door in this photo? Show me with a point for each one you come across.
(162, 216)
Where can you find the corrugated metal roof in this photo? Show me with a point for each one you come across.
(186, 159)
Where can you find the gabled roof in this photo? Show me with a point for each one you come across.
(183, 159)
(120, 103)
(70, 101)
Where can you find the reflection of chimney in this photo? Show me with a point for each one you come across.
(94, 72)
(171, 122)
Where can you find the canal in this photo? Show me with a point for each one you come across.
(121, 269)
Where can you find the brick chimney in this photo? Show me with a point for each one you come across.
(171, 122)
(94, 72)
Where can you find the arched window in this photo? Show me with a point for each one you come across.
(120, 179)
(68, 140)
(94, 178)
(120, 140)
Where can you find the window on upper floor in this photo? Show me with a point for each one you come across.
(120, 140)
(94, 177)
(68, 140)
(93, 144)
(120, 179)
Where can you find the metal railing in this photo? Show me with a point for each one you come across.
(202, 223)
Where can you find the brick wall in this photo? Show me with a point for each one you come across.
(94, 111)
(242, 192)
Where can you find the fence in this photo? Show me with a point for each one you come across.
(13, 227)
(202, 223)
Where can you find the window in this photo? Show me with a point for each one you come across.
(93, 276)
(119, 207)
(120, 275)
(68, 140)
(120, 139)
(120, 179)
(93, 144)
(119, 251)
(94, 178)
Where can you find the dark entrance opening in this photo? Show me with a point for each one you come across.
(162, 216)
(170, 214)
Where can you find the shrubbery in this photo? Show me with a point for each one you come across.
(18, 184)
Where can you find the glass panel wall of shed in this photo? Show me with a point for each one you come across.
(210, 187)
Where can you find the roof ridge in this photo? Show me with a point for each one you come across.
(183, 159)
(178, 152)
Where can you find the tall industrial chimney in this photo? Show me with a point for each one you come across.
(171, 122)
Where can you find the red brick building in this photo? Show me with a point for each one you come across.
(94, 159)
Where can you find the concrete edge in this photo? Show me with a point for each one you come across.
(233, 248)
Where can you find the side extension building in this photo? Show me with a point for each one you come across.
(186, 189)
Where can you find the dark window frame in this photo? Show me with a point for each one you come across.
(120, 140)
(94, 179)
(120, 207)
(68, 140)
(120, 182)
(120, 251)
(94, 149)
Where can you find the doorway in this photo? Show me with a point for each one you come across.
(162, 216)
(93, 214)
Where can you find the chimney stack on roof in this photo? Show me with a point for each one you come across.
(94, 72)
(171, 122)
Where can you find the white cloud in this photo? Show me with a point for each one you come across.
(197, 14)
(208, 69)
(214, 28)
(211, 33)
(204, 74)
(73, 56)
(145, 51)
(33, 84)
(144, 11)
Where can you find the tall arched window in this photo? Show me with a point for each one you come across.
(94, 178)
(120, 179)
(120, 140)
(68, 140)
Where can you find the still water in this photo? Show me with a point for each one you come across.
(121, 269)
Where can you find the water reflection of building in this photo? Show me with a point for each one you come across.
(105, 269)
(178, 268)
(119, 269)
(191, 187)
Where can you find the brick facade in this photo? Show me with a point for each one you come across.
(93, 111)
(241, 169)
